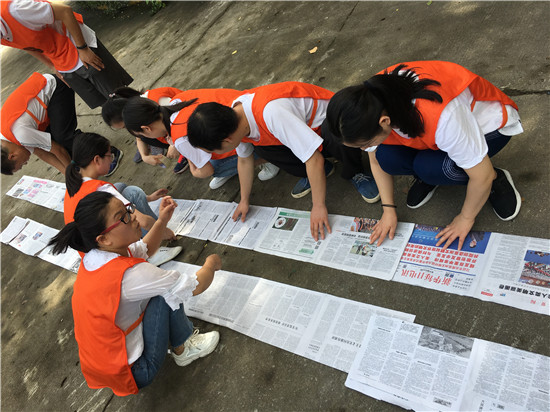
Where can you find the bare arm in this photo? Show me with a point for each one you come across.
(206, 171)
(315, 168)
(388, 222)
(157, 231)
(245, 166)
(65, 14)
(57, 156)
(205, 274)
(477, 192)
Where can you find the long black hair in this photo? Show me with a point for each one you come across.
(140, 111)
(353, 114)
(210, 124)
(86, 147)
(111, 111)
(8, 165)
(90, 219)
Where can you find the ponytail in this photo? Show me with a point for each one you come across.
(353, 113)
(140, 111)
(86, 147)
(111, 111)
(90, 219)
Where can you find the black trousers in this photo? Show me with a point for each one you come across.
(283, 157)
(62, 116)
(94, 86)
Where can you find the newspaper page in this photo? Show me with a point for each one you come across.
(33, 238)
(315, 325)
(347, 247)
(15, 227)
(69, 260)
(517, 273)
(42, 192)
(422, 368)
(179, 215)
(204, 219)
(450, 270)
(245, 234)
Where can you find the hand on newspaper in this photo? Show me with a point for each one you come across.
(458, 228)
(385, 227)
(241, 210)
(318, 221)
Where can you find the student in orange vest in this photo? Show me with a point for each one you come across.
(145, 118)
(126, 311)
(284, 124)
(91, 157)
(57, 36)
(151, 151)
(440, 123)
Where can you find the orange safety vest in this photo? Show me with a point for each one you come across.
(55, 46)
(160, 92)
(265, 94)
(454, 79)
(17, 102)
(101, 343)
(221, 96)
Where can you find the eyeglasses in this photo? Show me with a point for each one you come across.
(126, 217)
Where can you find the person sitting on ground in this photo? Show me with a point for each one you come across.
(39, 117)
(151, 151)
(126, 311)
(284, 124)
(439, 122)
(91, 158)
(144, 118)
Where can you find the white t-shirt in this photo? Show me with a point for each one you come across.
(25, 128)
(36, 15)
(461, 132)
(139, 284)
(195, 155)
(287, 120)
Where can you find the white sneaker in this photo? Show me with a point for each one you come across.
(164, 254)
(197, 346)
(218, 182)
(268, 171)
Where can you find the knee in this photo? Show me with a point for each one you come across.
(134, 194)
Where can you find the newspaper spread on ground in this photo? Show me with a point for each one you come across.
(245, 234)
(204, 219)
(507, 269)
(31, 238)
(179, 215)
(422, 368)
(315, 325)
(347, 247)
(41, 192)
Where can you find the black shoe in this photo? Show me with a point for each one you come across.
(181, 166)
(504, 197)
(419, 193)
(117, 155)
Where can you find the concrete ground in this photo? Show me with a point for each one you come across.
(246, 44)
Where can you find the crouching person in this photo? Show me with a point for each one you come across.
(126, 311)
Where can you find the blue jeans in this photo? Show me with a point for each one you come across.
(138, 197)
(434, 167)
(161, 325)
(225, 167)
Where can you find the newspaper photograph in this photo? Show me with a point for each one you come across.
(41, 192)
(450, 270)
(422, 368)
(33, 238)
(15, 227)
(517, 273)
(315, 325)
(245, 234)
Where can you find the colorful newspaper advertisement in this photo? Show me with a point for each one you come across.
(33, 238)
(451, 270)
(347, 248)
(42, 192)
(517, 273)
(315, 325)
(245, 234)
(422, 368)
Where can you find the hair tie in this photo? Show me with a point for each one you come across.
(73, 162)
(111, 95)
